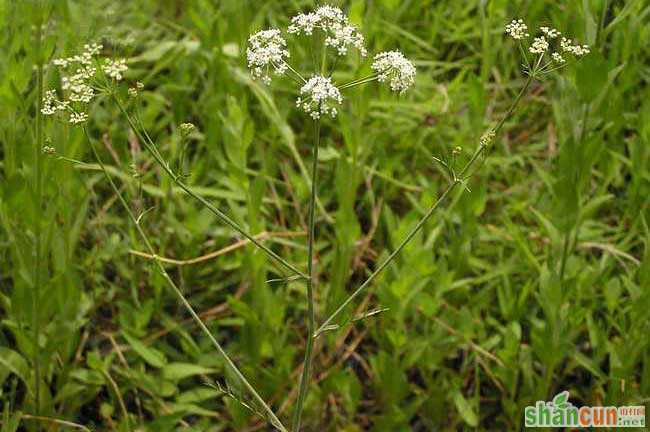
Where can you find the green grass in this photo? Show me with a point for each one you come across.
(536, 281)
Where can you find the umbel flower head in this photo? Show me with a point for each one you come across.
(319, 95)
(267, 50)
(517, 29)
(77, 74)
(339, 33)
(393, 67)
(547, 48)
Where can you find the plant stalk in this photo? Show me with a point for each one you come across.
(272, 417)
(461, 178)
(311, 319)
(38, 162)
(151, 147)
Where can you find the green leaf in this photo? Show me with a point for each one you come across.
(178, 371)
(13, 363)
(94, 361)
(151, 355)
(591, 76)
(465, 409)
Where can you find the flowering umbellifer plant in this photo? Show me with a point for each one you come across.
(85, 76)
(320, 96)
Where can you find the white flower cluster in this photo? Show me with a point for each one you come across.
(542, 44)
(115, 68)
(51, 105)
(576, 50)
(517, 29)
(539, 45)
(267, 50)
(319, 97)
(77, 73)
(78, 117)
(392, 66)
(339, 33)
(76, 84)
(83, 59)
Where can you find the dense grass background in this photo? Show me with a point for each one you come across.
(537, 281)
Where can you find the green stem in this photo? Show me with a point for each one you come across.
(462, 177)
(388, 260)
(601, 24)
(38, 152)
(276, 422)
(358, 81)
(151, 147)
(311, 323)
(565, 255)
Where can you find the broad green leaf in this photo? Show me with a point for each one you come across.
(151, 355)
(13, 363)
(178, 371)
(465, 409)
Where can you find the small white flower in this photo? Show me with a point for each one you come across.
(551, 33)
(539, 46)
(267, 50)
(517, 29)
(339, 33)
(115, 68)
(319, 97)
(558, 57)
(392, 66)
(78, 117)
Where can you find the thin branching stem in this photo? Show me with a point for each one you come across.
(311, 318)
(38, 179)
(145, 239)
(151, 147)
(358, 81)
(461, 178)
(388, 260)
(523, 54)
(294, 76)
(294, 71)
